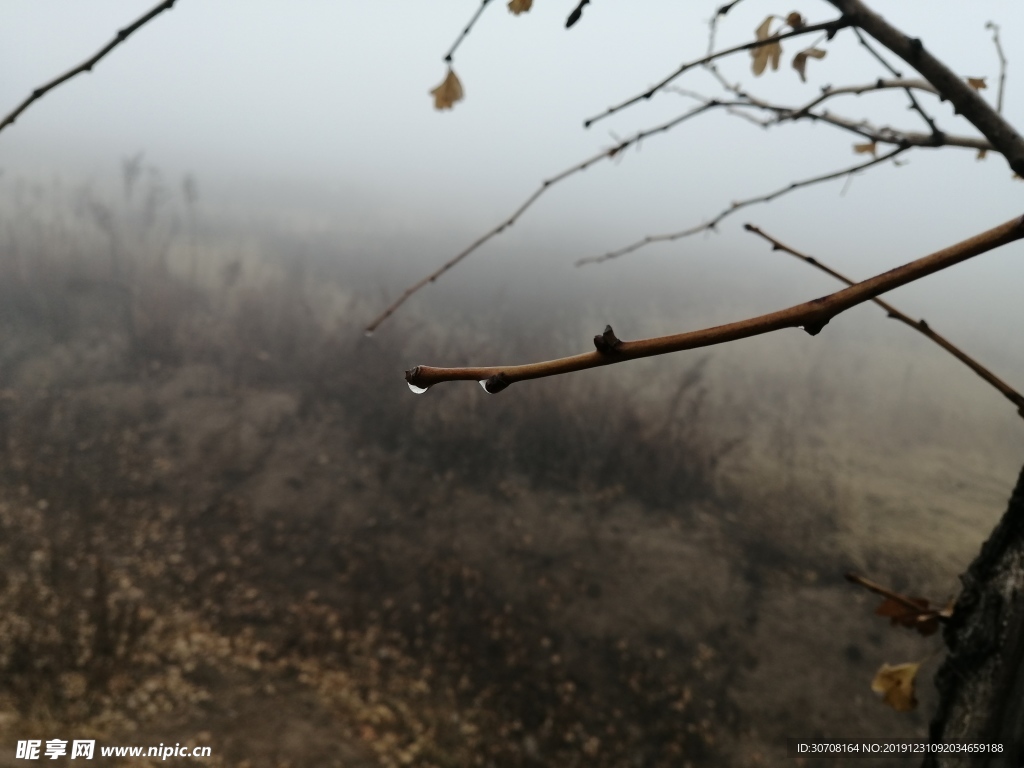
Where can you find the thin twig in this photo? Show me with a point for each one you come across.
(889, 594)
(713, 24)
(921, 326)
(465, 31)
(87, 66)
(545, 185)
(829, 26)
(713, 223)
(914, 104)
(829, 92)
(862, 128)
(1002, 64)
(811, 316)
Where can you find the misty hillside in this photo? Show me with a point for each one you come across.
(224, 519)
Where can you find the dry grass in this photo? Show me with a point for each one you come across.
(224, 519)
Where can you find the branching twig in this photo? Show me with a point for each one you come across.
(862, 128)
(829, 26)
(713, 24)
(965, 100)
(1002, 65)
(914, 104)
(465, 31)
(713, 223)
(918, 325)
(86, 66)
(829, 92)
(545, 185)
(811, 316)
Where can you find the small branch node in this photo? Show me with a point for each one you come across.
(607, 342)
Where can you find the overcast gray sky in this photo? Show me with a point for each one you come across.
(323, 109)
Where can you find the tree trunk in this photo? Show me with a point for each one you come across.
(981, 682)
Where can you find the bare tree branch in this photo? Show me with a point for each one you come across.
(1002, 65)
(829, 91)
(713, 24)
(812, 316)
(829, 26)
(964, 98)
(466, 30)
(87, 66)
(920, 326)
(736, 206)
(545, 185)
(914, 104)
(862, 128)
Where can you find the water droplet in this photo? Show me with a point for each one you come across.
(495, 384)
(417, 390)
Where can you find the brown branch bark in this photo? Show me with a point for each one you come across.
(812, 316)
(87, 65)
(965, 99)
(921, 326)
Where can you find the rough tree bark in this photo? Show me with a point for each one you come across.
(981, 682)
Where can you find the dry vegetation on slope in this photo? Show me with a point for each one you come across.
(220, 521)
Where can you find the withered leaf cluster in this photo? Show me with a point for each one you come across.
(771, 53)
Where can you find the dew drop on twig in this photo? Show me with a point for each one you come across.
(417, 390)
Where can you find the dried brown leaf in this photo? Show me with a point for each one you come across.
(977, 83)
(448, 92)
(981, 154)
(520, 6)
(765, 53)
(863, 149)
(896, 685)
(795, 20)
(800, 60)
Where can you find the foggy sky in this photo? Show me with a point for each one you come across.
(320, 112)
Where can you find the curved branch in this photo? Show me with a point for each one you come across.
(829, 26)
(86, 66)
(713, 223)
(812, 316)
(965, 99)
(545, 185)
(921, 326)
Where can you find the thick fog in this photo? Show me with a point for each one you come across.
(625, 566)
(319, 114)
